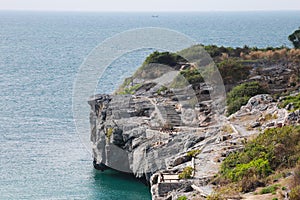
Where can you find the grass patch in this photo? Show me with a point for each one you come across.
(161, 90)
(215, 196)
(227, 129)
(193, 153)
(294, 100)
(295, 193)
(130, 90)
(269, 189)
(109, 132)
(182, 198)
(186, 173)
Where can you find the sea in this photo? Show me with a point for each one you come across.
(41, 154)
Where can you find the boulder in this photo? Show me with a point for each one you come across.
(293, 118)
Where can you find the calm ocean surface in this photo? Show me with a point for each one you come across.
(41, 156)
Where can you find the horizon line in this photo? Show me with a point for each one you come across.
(147, 11)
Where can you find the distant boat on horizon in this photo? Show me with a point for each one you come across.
(155, 16)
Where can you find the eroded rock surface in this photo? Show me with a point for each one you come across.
(147, 136)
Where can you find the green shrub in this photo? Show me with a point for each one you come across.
(186, 173)
(182, 198)
(295, 100)
(166, 58)
(259, 167)
(270, 189)
(192, 76)
(162, 89)
(130, 90)
(276, 148)
(241, 94)
(213, 50)
(193, 153)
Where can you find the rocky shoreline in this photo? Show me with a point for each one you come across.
(177, 142)
(125, 137)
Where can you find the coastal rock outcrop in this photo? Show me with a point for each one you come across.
(176, 139)
(146, 136)
(136, 135)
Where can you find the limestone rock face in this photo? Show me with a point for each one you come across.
(135, 134)
(258, 103)
(148, 136)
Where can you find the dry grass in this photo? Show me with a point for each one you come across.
(292, 55)
(270, 55)
(227, 129)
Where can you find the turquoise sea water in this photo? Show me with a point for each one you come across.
(41, 156)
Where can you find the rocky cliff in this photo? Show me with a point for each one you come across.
(137, 134)
(176, 141)
(146, 137)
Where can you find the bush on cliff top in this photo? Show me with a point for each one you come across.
(241, 94)
(150, 69)
(165, 58)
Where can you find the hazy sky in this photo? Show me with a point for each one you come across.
(149, 5)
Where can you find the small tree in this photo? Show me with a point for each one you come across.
(295, 38)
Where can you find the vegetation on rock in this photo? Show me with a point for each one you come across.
(295, 193)
(186, 173)
(193, 153)
(276, 148)
(233, 71)
(295, 186)
(236, 65)
(241, 94)
(182, 198)
(165, 58)
(270, 189)
(162, 89)
(293, 100)
(131, 90)
(192, 76)
(109, 132)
